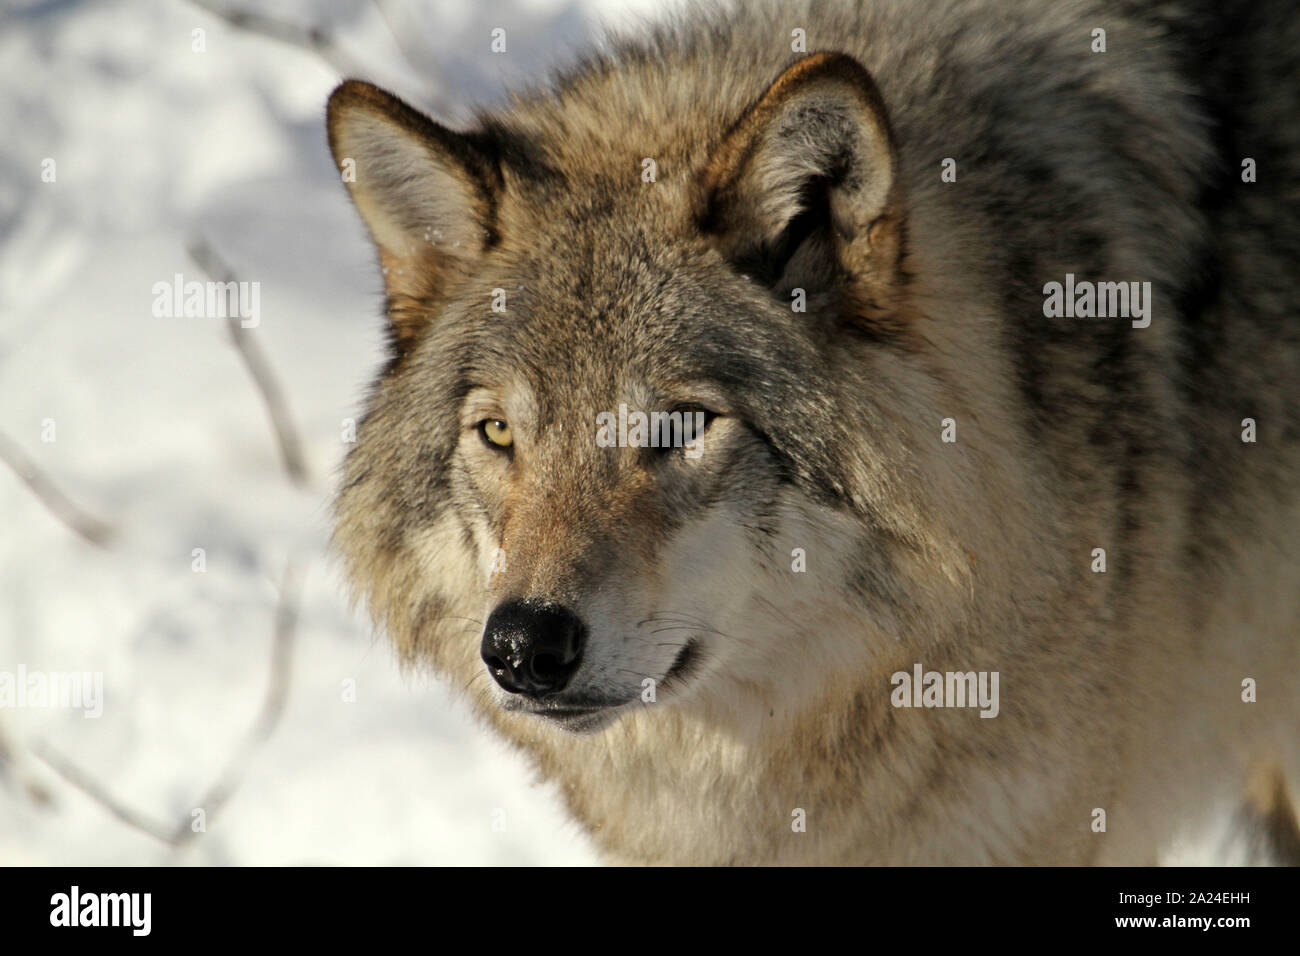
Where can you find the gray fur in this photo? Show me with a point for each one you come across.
(1121, 690)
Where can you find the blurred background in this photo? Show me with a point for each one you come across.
(158, 524)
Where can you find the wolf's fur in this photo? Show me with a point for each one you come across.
(1119, 690)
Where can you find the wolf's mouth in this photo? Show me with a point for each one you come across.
(576, 720)
(588, 716)
(561, 713)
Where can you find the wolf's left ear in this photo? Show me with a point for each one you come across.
(805, 179)
(426, 193)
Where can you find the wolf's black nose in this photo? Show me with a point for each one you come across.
(533, 648)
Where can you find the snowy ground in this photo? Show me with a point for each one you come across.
(158, 429)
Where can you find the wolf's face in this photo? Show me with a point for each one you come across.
(590, 476)
(612, 558)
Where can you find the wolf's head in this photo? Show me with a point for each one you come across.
(520, 510)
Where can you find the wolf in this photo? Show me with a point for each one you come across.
(828, 230)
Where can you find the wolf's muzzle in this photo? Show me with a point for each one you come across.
(532, 647)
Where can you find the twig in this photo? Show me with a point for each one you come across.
(382, 7)
(320, 40)
(11, 763)
(220, 792)
(91, 788)
(277, 695)
(98, 533)
(272, 396)
(315, 39)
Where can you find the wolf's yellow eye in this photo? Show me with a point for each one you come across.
(496, 433)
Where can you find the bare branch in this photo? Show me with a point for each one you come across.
(227, 782)
(315, 39)
(91, 788)
(277, 695)
(11, 764)
(384, 14)
(258, 367)
(425, 75)
(320, 40)
(98, 533)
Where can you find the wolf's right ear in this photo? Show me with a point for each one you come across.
(427, 194)
(805, 180)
